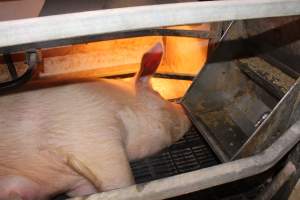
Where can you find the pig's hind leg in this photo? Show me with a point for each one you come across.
(105, 166)
(18, 188)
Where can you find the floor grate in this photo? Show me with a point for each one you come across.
(188, 154)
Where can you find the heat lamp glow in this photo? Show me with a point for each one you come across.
(183, 55)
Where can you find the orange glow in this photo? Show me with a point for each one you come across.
(105, 54)
(170, 88)
(183, 55)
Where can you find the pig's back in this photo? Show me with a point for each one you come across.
(37, 110)
(33, 125)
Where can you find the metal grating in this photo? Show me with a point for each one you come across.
(188, 154)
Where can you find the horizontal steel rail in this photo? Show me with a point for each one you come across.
(54, 29)
(207, 177)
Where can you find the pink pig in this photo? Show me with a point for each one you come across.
(79, 138)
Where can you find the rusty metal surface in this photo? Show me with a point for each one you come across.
(227, 107)
(269, 77)
(231, 98)
(237, 116)
(286, 112)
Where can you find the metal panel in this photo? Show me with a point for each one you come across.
(230, 99)
(59, 27)
(283, 116)
(238, 116)
(227, 106)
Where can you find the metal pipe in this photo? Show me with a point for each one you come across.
(281, 178)
(31, 60)
(207, 177)
(59, 27)
(110, 36)
(10, 65)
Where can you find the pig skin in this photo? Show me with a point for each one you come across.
(78, 138)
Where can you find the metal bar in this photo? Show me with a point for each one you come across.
(267, 76)
(226, 31)
(281, 178)
(58, 27)
(10, 65)
(175, 76)
(110, 36)
(31, 59)
(280, 65)
(207, 177)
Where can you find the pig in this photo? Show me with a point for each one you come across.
(78, 138)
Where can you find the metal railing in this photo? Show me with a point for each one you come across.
(69, 28)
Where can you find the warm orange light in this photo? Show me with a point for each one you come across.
(183, 55)
(170, 88)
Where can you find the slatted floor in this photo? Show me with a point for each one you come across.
(188, 154)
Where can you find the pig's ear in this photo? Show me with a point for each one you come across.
(149, 64)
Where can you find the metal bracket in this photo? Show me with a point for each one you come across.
(31, 59)
(10, 66)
